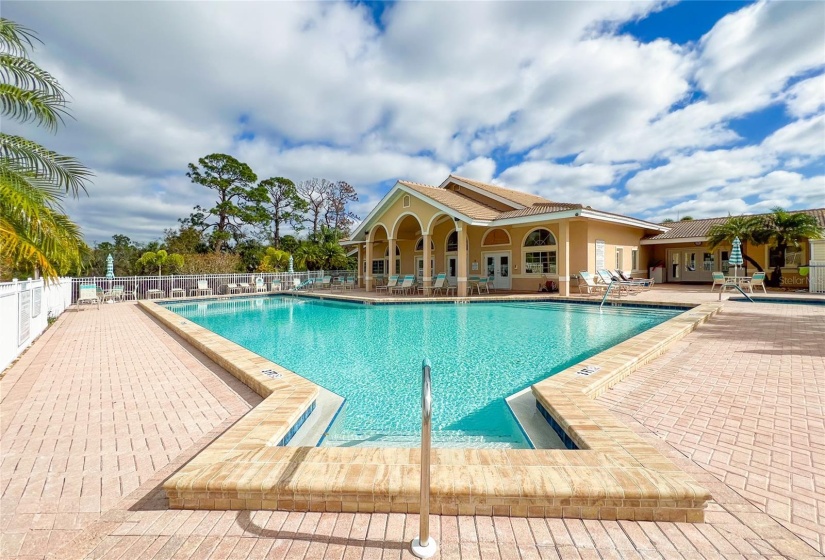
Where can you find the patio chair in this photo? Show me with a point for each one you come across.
(345, 284)
(718, 280)
(233, 288)
(482, 283)
(637, 283)
(491, 284)
(325, 282)
(758, 280)
(128, 294)
(588, 285)
(203, 289)
(88, 294)
(246, 287)
(389, 286)
(275, 286)
(406, 285)
(441, 285)
(115, 294)
(260, 286)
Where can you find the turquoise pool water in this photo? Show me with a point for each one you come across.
(481, 353)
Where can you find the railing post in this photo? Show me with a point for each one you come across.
(424, 546)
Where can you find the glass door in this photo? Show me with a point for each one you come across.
(452, 270)
(497, 267)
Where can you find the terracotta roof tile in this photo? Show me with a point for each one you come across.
(701, 228)
(539, 209)
(519, 197)
(456, 201)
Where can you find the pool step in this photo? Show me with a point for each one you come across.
(412, 440)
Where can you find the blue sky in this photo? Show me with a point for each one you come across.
(652, 109)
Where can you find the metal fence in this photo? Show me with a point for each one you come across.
(184, 285)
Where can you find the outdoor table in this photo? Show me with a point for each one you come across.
(176, 291)
(155, 293)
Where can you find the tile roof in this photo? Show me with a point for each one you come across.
(701, 228)
(456, 201)
(546, 208)
(519, 197)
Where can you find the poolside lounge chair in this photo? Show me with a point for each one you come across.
(718, 280)
(441, 285)
(275, 286)
(627, 287)
(406, 286)
(260, 285)
(203, 289)
(588, 285)
(88, 294)
(325, 282)
(758, 280)
(391, 283)
(345, 284)
(640, 283)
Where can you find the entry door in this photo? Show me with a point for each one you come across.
(452, 269)
(498, 268)
(674, 272)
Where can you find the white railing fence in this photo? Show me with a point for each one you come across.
(181, 285)
(816, 277)
(25, 309)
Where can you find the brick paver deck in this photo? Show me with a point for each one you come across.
(109, 402)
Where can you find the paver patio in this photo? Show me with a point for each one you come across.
(107, 404)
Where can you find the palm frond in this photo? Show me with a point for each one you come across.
(35, 106)
(15, 38)
(26, 74)
(26, 156)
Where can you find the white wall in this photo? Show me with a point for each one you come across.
(54, 299)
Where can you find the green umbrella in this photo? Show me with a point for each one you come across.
(736, 255)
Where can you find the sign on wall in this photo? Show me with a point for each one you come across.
(599, 254)
(36, 301)
(24, 301)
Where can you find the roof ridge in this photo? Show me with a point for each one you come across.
(742, 215)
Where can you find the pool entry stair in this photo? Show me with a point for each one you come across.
(613, 473)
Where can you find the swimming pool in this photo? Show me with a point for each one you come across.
(481, 353)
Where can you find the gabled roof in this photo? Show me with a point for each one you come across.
(458, 202)
(690, 229)
(520, 198)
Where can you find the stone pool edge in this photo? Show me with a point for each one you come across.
(615, 474)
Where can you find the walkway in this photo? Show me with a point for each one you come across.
(107, 404)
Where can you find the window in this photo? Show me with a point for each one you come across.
(634, 259)
(452, 242)
(540, 238)
(406, 201)
(791, 257)
(542, 261)
(397, 259)
(378, 266)
(420, 245)
(619, 258)
(708, 264)
(496, 237)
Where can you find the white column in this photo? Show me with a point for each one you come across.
(391, 265)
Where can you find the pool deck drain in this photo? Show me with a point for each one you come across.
(614, 474)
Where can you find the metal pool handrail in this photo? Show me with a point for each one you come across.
(424, 546)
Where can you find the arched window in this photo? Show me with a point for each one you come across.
(496, 237)
(420, 245)
(452, 242)
(540, 238)
(540, 252)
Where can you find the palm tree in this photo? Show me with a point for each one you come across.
(746, 228)
(782, 229)
(34, 232)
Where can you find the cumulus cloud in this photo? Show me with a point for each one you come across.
(548, 97)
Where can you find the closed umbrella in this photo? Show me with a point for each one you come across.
(291, 265)
(736, 256)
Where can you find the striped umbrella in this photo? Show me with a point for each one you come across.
(110, 267)
(736, 255)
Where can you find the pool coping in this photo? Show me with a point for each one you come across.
(614, 474)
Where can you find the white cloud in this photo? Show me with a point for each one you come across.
(749, 55)
(317, 89)
(806, 97)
